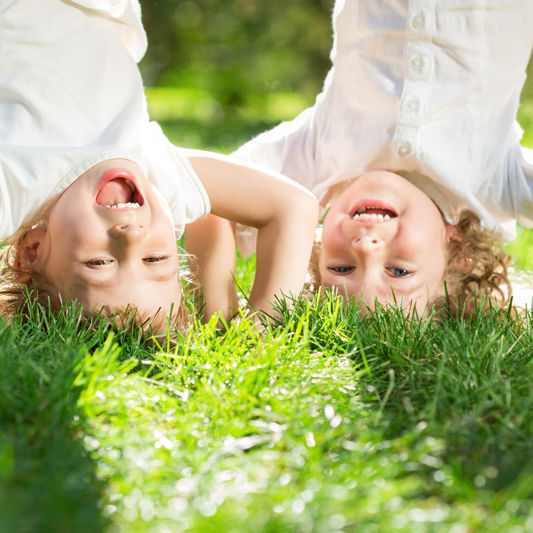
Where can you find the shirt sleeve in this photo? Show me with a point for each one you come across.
(288, 148)
(128, 12)
(196, 200)
(170, 171)
(184, 192)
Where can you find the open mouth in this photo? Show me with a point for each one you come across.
(373, 210)
(117, 190)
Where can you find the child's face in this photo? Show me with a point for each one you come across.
(108, 256)
(384, 238)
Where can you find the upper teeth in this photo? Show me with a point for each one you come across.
(376, 216)
(127, 204)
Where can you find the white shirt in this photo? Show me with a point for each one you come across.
(426, 88)
(71, 96)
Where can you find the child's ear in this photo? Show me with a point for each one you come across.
(29, 257)
(454, 240)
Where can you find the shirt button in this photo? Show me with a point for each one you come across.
(418, 21)
(404, 149)
(417, 63)
(413, 105)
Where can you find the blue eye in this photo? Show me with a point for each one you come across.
(341, 269)
(399, 272)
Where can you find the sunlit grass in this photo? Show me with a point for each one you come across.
(326, 422)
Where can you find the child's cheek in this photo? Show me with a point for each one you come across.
(333, 240)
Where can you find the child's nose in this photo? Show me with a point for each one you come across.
(127, 232)
(368, 243)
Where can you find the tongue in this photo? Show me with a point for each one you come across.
(116, 191)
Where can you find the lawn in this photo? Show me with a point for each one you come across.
(326, 422)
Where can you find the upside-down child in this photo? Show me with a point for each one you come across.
(93, 195)
(414, 150)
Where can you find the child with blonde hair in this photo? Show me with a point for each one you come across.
(93, 195)
(413, 149)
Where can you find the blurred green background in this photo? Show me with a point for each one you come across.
(220, 72)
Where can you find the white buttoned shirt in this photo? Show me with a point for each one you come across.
(71, 96)
(425, 88)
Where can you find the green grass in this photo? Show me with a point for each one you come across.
(327, 422)
(521, 249)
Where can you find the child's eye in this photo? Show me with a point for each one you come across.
(98, 262)
(155, 258)
(399, 272)
(341, 269)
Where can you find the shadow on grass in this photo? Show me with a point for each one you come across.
(468, 383)
(47, 478)
(48, 483)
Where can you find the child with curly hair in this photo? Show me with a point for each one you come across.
(413, 149)
(93, 195)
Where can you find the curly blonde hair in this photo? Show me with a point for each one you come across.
(476, 271)
(17, 297)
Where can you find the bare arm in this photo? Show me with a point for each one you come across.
(284, 213)
(211, 241)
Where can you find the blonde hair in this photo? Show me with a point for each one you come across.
(476, 271)
(17, 297)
